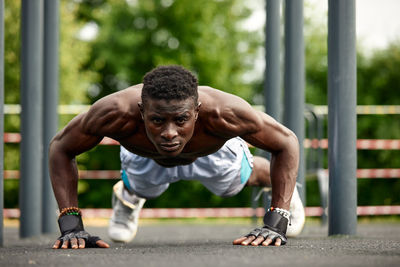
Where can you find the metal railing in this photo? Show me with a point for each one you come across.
(314, 116)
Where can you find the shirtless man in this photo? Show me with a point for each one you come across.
(169, 129)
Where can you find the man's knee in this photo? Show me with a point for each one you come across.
(253, 181)
(260, 175)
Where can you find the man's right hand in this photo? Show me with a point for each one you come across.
(73, 235)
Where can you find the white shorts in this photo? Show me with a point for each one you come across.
(224, 172)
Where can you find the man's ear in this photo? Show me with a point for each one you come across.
(197, 110)
(140, 105)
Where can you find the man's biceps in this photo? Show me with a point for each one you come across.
(263, 141)
(73, 145)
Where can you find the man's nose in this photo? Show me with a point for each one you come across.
(169, 132)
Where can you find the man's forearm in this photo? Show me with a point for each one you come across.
(284, 167)
(64, 177)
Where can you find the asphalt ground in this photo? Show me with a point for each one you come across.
(192, 243)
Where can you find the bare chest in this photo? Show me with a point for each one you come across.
(200, 145)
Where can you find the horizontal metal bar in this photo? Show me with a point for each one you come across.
(16, 138)
(217, 212)
(319, 109)
(372, 144)
(115, 174)
(83, 174)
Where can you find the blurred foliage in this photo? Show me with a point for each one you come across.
(203, 36)
(206, 37)
(73, 53)
(12, 42)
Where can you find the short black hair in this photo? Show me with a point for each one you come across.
(169, 83)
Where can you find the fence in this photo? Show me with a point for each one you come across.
(315, 143)
(315, 116)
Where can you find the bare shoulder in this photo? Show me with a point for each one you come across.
(213, 97)
(114, 114)
(226, 114)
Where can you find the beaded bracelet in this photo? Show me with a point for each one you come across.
(70, 211)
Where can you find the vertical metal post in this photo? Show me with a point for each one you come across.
(342, 117)
(320, 153)
(50, 104)
(254, 204)
(272, 86)
(1, 118)
(31, 117)
(294, 79)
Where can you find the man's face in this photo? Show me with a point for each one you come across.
(169, 124)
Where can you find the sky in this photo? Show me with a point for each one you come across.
(377, 21)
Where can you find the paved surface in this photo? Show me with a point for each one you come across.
(210, 245)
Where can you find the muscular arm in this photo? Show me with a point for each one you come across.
(284, 147)
(110, 116)
(68, 143)
(237, 118)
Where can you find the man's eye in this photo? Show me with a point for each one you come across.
(156, 120)
(181, 119)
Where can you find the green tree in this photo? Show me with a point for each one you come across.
(73, 53)
(74, 81)
(378, 83)
(203, 36)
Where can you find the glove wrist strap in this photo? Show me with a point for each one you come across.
(70, 223)
(275, 220)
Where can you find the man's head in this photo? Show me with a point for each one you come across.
(169, 83)
(169, 108)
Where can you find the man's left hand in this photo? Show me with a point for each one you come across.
(260, 236)
(273, 232)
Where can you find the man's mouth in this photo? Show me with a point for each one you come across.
(170, 147)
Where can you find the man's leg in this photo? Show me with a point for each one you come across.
(260, 176)
(139, 182)
(125, 217)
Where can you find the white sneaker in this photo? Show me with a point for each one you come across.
(297, 217)
(125, 216)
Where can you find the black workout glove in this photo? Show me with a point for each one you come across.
(275, 225)
(71, 226)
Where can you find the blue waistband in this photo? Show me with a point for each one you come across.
(245, 170)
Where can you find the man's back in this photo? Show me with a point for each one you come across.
(118, 116)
